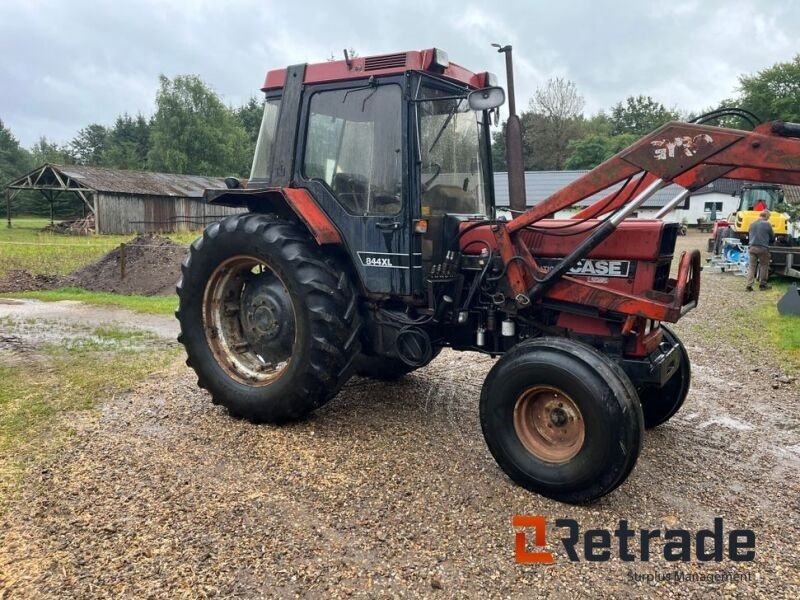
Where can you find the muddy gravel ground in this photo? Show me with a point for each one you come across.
(389, 490)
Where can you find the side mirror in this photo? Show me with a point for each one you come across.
(487, 98)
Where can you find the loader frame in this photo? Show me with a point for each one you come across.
(688, 155)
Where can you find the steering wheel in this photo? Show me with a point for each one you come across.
(427, 184)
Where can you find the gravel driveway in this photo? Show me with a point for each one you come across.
(390, 490)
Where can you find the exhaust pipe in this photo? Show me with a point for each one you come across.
(516, 169)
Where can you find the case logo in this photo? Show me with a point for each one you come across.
(593, 267)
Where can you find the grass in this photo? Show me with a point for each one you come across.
(26, 246)
(151, 305)
(782, 331)
(41, 388)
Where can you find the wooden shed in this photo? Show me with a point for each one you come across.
(128, 201)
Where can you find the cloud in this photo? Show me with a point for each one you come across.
(67, 64)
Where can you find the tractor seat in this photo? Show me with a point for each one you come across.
(385, 204)
(351, 191)
(451, 199)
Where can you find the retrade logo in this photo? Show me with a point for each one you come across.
(538, 524)
(629, 545)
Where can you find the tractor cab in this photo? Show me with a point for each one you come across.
(393, 149)
(759, 197)
(753, 199)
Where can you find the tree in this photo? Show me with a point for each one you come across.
(89, 145)
(774, 93)
(555, 117)
(128, 143)
(499, 149)
(591, 150)
(599, 124)
(639, 115)
(51, 152)
(193, 132)
(14, 159)
(249, 116)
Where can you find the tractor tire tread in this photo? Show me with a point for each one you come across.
(329, 300)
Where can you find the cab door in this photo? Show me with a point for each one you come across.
(352, 161)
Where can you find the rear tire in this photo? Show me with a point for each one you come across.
(269, 323)
(659, 405)
(561, 419)
(723, 233)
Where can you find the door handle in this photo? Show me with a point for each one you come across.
(388, 225)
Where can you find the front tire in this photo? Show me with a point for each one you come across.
(561, 419)
(269, 323)
(659, 405)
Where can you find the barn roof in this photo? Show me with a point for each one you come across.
(792, 193)
(117, 181)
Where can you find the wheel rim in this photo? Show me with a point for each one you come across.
(249, 320)
(549, 424)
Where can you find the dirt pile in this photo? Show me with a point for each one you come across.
(20, 280)
(152, 268)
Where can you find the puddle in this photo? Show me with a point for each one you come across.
(26, 325)
(727, 423)
(70, 316)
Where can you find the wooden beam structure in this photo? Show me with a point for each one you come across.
(50, 183)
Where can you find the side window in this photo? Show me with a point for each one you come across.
(262, 157)
(354, 144)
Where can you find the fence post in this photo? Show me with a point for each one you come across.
(122, 261)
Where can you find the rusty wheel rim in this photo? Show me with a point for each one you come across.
(549, 424)
(249, 320)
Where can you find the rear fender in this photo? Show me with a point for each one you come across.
(290, 203)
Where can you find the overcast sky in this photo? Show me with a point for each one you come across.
(66, 64)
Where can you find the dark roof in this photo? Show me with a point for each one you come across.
(721, 186)
(792, 193)
(121, 181)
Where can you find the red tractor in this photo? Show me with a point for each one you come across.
(371, 242)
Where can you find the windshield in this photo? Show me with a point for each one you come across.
(451, 146)
(760, 198)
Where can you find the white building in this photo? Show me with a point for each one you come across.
(539, 185)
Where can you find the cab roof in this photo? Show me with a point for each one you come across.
(433, 60)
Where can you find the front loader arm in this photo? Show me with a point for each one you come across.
(688, 155)
(765, 154)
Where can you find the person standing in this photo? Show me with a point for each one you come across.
(761, 236)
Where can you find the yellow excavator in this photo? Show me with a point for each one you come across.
(754, 198)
